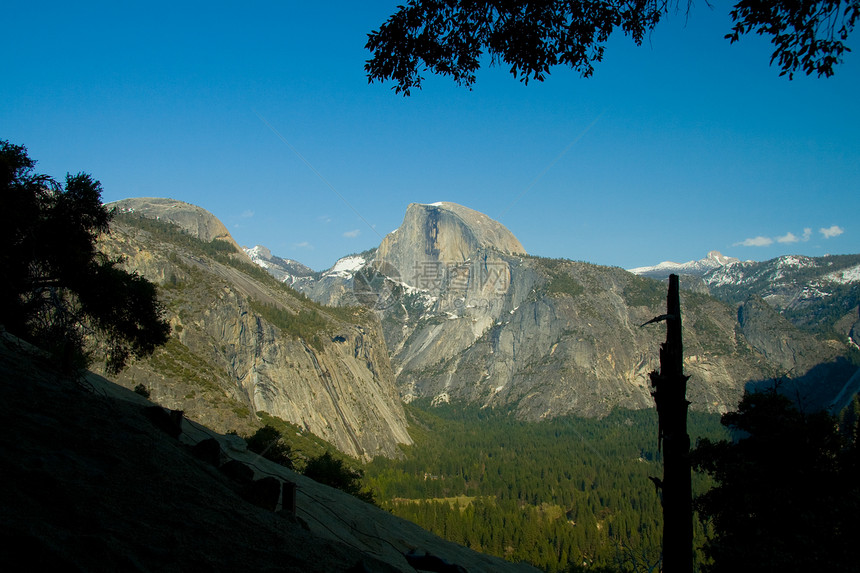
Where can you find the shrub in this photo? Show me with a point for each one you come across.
(268, 442)
(142, 390)
(331, 471)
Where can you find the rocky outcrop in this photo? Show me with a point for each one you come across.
(243, 343)
(194, 220)
(439, 283)
(441, 234)
(784, 346)
(812, 372)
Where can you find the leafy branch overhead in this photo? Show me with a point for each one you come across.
(808, 36)
(450, 38)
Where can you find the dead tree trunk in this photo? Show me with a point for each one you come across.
(670, 396)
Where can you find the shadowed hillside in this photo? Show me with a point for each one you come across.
(89, 483)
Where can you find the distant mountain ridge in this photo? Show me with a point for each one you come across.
(469, 317)
(285, 270)
(466, 316)
(821, 294)
(714, 260)
(814, 293)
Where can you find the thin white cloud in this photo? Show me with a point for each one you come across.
(755, 242)
(831, 232)
(304, 245)
(352, 234)
(247, 214)
(787, 238)
(325, 219)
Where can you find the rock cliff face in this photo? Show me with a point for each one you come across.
(243, 343)
(780, 342)
(565, 338)
(443, 233)
(810, 370)
(469, 317)
(452, 272)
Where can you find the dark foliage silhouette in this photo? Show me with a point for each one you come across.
(788, 491)
(451, 37)
(268, 442)
(331, 471)
(57, 289)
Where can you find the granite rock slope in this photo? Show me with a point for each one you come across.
(244, 343)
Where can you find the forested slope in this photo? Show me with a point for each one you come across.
(565, 492)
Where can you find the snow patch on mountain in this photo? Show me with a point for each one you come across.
(258, 252)
(285, 270)
(727, 275)
(795, 261)
(346, 267)
(714, 260)
(845, 276)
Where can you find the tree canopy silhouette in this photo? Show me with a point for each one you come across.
(450, 37)
(57, 289)
(787, 492)
(331, 471)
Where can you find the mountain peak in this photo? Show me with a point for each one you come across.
(285, 270)
(258, 252)
(721, 259)
(444, 233)
(487, 232)
(194, 220)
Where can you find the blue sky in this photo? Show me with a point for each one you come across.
(261, 113)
